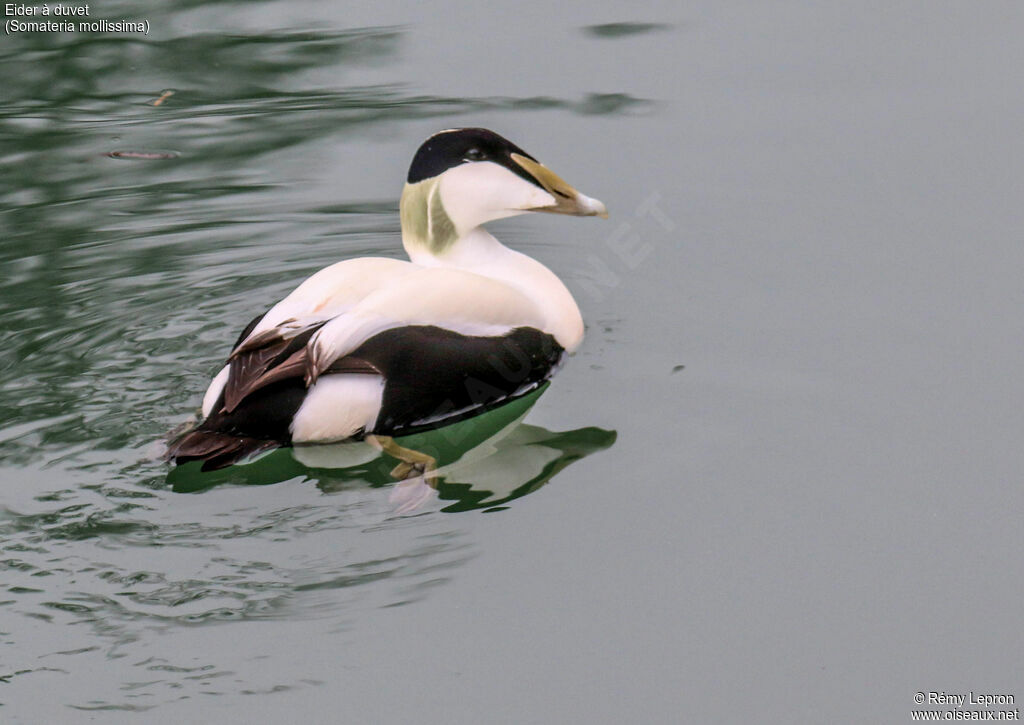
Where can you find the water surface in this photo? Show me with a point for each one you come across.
(781, 477)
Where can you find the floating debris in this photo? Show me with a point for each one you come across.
(621, 30)
(163, 97)
(143, 155)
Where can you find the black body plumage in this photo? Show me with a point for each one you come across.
(432, 377)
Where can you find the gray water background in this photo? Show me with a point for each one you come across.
(804, 329)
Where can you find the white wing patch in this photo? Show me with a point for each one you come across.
(337, 407)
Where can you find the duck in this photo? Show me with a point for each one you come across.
(374, 348)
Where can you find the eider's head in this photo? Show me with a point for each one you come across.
(465, 177)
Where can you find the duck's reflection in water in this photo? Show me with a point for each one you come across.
(480, 463)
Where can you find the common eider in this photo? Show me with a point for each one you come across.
(372, 348)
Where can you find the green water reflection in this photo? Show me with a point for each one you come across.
(483, 462)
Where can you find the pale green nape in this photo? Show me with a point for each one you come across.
(425, 223)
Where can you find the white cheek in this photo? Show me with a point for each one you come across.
(476, 193)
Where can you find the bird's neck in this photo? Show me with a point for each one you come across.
(475, 251)
(432, 239)
(426, 226)
(479, 252)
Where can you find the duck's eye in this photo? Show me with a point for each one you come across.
(475, 154)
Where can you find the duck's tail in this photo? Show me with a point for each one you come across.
(215, 449)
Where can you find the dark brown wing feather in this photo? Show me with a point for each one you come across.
(270, 357)
(216, 450)
(264, 359)
(260, 339)
(265, 387)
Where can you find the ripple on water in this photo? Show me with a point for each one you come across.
(122, 283)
